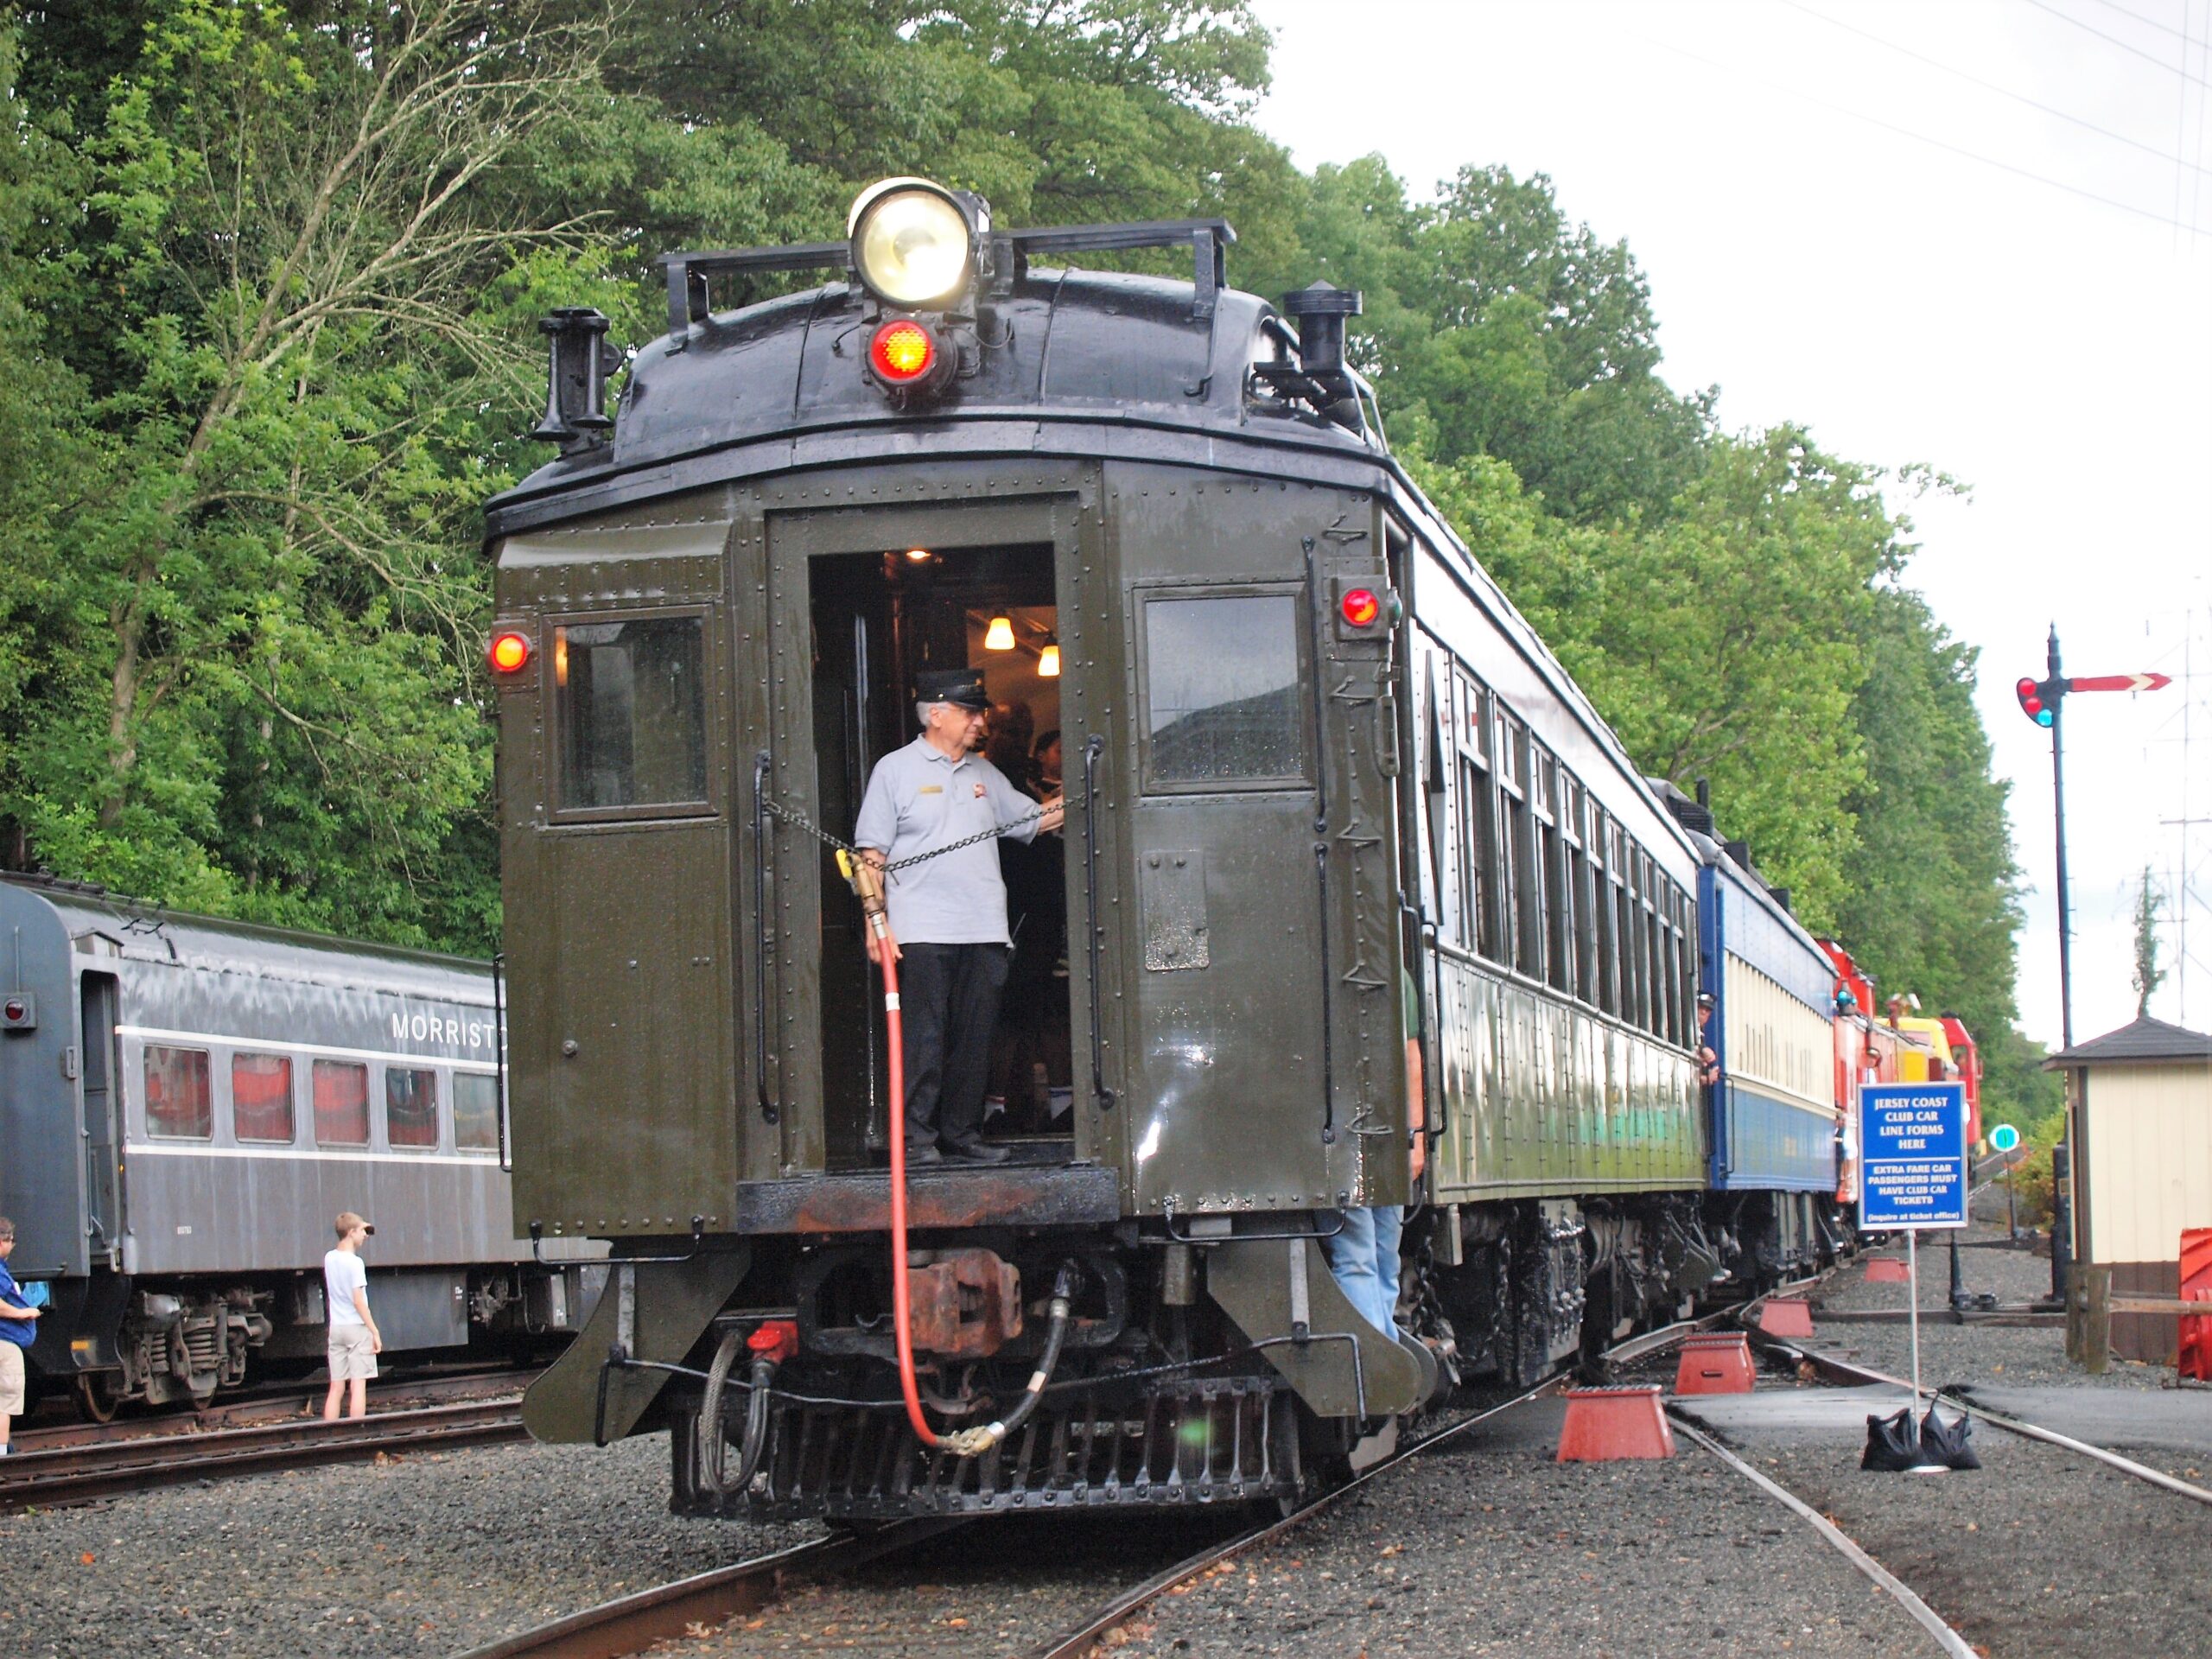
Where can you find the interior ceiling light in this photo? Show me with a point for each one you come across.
(919, 555)
(1000, 635)
(910, 242)
(1048, 661)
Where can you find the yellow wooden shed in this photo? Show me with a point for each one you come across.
(2141, 1101)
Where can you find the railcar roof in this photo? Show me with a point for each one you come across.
(106, 925)
(1065, 345)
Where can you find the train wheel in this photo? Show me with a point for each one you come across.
(99, 1395)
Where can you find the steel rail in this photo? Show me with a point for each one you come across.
(291, 1404)
(1843, 1370)
(1947, 1638)
(631, 1624)
(1076, 1641)
(78, 1474)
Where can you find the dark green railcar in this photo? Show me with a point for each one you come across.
(1309, 750)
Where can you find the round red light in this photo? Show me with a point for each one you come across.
(901, 353)
(1361, 606)
(18, 1010)
(510, 652)
(2026, 688)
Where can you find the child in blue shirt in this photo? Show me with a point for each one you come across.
(18, 1329)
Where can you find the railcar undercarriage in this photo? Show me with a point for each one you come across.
(1157, 1396)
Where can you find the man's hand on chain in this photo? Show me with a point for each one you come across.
(1054, 813)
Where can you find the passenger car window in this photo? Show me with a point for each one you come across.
(177, 1103)
(342, 1103)
(1221, 687)
(475, 1112)
(630, 707)
(261, 1097)
(411, 1107)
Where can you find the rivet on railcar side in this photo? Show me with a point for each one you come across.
(1324, 785)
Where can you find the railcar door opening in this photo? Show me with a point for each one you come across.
(878, 618)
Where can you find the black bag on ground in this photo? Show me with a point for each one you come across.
(1948, 1444)
(1892, 1443)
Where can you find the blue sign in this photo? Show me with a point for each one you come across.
(2004, 1137)
(1913, 1140)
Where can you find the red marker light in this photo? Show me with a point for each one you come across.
(1361, 606)
(17, 1011)
(509, 652)
(901, 353)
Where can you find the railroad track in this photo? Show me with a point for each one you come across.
(79, 1472)
(693, 1606)
(1832, 1369)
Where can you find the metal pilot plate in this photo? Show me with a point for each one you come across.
(1172, 891)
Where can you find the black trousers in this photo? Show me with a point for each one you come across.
(949, 1005)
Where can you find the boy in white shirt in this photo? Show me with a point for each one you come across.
(355, 1342)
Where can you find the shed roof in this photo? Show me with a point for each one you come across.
(2143, 1042)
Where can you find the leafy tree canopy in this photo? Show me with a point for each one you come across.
(268, 279)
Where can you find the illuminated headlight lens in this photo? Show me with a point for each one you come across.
(910, 242)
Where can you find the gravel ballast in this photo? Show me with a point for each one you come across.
(430, 1553)
(1488, 1546)
(2018, 1357)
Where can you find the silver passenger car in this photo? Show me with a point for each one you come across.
(186, 1103)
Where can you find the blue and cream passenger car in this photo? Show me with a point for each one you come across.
(186, 1103)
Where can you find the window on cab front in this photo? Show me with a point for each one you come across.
(178, 1104)
(261, 1097)
(1224, 704)
(342, 1103)
(629, 714)
(475, 1112)
(410, 1108)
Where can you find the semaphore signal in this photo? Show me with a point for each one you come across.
(2040, 701)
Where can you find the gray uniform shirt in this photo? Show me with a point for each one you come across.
(919, 799)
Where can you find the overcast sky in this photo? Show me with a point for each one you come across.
(1853, 216)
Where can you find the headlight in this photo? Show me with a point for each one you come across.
(910, 242)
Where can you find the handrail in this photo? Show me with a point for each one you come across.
(1093, 747)
(499, 1052)
(762, 761)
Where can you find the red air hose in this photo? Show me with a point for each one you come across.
(902, 1317)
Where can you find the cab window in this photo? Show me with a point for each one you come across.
(1222, 692)
(630, 712)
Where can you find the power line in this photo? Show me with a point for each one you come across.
(2147, 22)
(2115, 39)
(2006, 91)
(2155, 217)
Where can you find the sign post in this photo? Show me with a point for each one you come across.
(2006, 1140)
(1914, 1141)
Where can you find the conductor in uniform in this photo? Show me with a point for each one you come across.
(948, 914)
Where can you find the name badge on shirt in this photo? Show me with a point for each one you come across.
(930, 789)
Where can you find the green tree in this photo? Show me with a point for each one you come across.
(276, 287)
(2150, 905)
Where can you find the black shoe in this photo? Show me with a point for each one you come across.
(918, 1151)
(974, 1152)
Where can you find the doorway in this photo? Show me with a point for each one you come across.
(878, 620)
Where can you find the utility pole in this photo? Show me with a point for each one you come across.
(2041, 702)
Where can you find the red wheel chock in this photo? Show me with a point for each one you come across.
(1715, 1363)
(1603, 1424)
(1885, 1270)
(1786, 1317)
